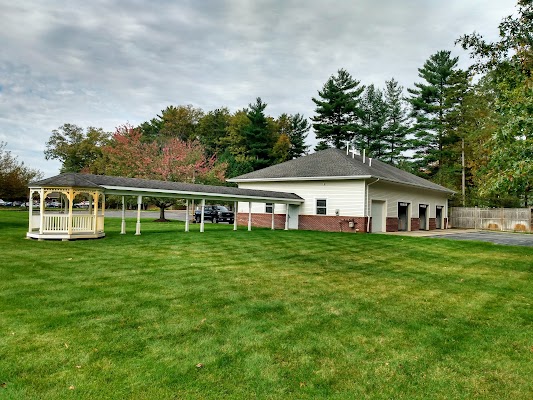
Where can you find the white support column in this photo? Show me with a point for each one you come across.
(41, 208)
(138, 225)
(187, 215)
(273, 215)
(70, 198)
(287, 217)
(235, 214)
(30, 224)
(202, 209)
(249, 215)
(123, 225)
(95, 211)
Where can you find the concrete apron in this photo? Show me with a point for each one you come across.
(436, 232)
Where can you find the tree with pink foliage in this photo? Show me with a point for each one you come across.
(174, 160)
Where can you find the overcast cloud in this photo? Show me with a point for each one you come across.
(104, 63)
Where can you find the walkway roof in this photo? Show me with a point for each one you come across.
(145, 187)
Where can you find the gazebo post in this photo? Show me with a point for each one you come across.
(95, 213)
(235, 213)
(202, 216)
(41, 215)
(30, 223)
(69, 221)
(287, 217)
(123, 224)
(249, 215)
(186, 215)
(138, 225)
(273, 215)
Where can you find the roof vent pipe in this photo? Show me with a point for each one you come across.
(364, 155)
(369, 161)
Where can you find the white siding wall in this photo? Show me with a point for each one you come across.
(347, 196)
(393, 194)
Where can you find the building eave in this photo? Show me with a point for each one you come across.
(340, 178)
(304, 178)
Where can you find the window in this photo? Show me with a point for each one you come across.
(269, 209)
(321, 207)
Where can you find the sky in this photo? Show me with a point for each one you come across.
(105, 63)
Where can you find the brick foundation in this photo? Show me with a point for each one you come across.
(392, 224)
(262, 220)
(328, 223)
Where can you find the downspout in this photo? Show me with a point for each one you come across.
(368, 213)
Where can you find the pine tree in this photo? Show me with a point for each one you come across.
(338, 111)
(396, 125)
(258, 135)
(430, 107)
(370, 136)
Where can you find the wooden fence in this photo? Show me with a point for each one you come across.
(500, 219)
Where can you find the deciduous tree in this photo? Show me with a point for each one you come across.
(14, 176)
(176, 161)
(75, 148)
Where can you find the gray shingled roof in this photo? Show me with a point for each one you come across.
(334, 163)
(103, 181)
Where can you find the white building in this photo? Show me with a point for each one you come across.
(346, 192)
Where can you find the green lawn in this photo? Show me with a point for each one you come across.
(281, 315)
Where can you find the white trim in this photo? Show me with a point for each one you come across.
(316, 205)
(301, 178)
(336, 178)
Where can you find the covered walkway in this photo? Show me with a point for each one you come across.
(69, 224)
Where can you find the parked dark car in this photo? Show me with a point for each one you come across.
(215, 214)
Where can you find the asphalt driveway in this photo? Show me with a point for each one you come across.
(507, 238)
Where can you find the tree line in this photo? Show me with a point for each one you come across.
(469, 130)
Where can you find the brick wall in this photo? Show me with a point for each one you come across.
(329, 223)
(432, 224)
(392, 224)
(415, 224)
(262, 220)
(324, 223)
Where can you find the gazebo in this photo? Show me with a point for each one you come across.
(66, 223)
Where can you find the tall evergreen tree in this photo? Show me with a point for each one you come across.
(370, 136)
(396, 123)
(338, 110)
(430, 107)
(258, 135)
